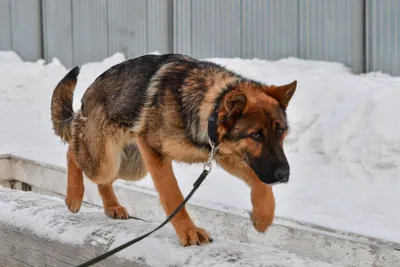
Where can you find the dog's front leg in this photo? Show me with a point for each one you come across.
(262, 196)
(160, 168)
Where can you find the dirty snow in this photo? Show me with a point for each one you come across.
(344, 145)
(46, 217)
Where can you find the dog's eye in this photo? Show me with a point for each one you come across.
(279, 131)
(256, 136)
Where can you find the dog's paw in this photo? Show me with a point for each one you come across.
(73, 204)
(117, 212)
(261, 222)
(195, 236)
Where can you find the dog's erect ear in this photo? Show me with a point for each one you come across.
(235, 103)
(282, 93)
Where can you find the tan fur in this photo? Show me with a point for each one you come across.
(75, 186)
(262, 196)
(110, 202)
(170, 195)
(131, 167)
(183, 151)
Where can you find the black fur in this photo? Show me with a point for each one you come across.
(131, 80)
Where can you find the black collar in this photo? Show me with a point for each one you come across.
(213, 125)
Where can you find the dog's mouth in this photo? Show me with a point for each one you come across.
(279, 182)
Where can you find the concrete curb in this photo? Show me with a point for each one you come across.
(37, 231)
(304, 240)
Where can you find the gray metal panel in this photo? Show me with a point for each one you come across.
(182, 31)
(159, 26)
(207, 28)
(89, 30)
(5, 25)
(57, 31)
(383, 36)
(269, 29)
(332, 30)
(216, 28)
(127, 26)
(26, 29)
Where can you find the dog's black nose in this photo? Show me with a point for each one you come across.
(282, 175)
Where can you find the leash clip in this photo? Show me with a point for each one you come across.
(208, 165)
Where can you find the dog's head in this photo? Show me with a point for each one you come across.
(253, 126)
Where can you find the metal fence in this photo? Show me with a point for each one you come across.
(362, 34)
(383, 36)
(20, 28)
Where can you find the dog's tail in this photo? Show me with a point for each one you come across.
(62, 112)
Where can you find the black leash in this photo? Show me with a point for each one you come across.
(214, 142)
(203, 175)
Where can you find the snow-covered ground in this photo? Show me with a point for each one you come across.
(46, 217)
(344, 145)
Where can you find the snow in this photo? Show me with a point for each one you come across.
(46, 217)
(344, 145)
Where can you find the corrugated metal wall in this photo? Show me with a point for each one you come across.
(82, 31)
(236, 28)
(272, 29)
(333, 31)
(269, 29)
(57, 31)
(20, 28)
(363, 34)
(5, 25)
(383, 36)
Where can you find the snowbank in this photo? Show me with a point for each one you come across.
(344, 145)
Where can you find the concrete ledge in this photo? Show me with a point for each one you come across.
(36, 231)
(304, 240)
(16, 250)
(5, 168)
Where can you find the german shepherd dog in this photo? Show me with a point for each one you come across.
(140, 115)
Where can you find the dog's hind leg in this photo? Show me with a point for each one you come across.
(98, 153)
(131, 168)
(112, 208)
(164, 179)
(110, 164)
(75, 186)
